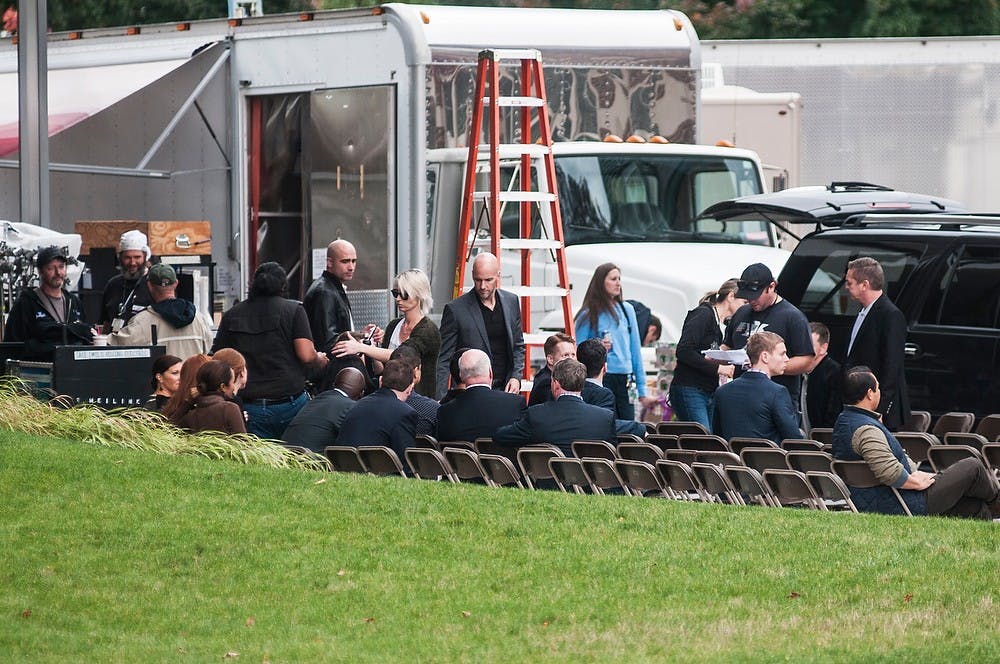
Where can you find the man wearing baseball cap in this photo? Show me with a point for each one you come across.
(179, 327)
(48, 315)
(766, 311)
(126, 294)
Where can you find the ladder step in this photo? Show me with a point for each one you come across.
(537, 291)
(535, 339)
(521, 243)
(511, 54)
(513, 150)
(517, 102)
(517, 196)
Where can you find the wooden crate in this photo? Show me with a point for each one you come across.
(163, 235)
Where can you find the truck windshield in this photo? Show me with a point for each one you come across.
(654, 198)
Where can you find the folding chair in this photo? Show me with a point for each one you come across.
(942, 456)
(763, 458)
(792, 489)
(603, 475)
(596, 449)
(989, 428)
(641, 478)
(344, 459)
(973, 440)
(306, 452)
(805, 462)
(801, 445)
(380, 460)
(663, 441)
(500, 470)
(485, 445)
(718, 458)
(426, 441)
(859, 475)
(919, 422)
(534, 464)
(738, 444)
(705, 442)
(835, 494)
(650, 427)
(821, 435)
(751, 486)
(953, 422)
(680, 428)
(916, 444)
(568, 472)
(991, 455)
(684, 456)
(629, 438)
(678, 479)
(428, 464)
(465, 466)
(715, 484)
(640, 452)
(462, 444)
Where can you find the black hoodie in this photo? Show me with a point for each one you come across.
(177, 312)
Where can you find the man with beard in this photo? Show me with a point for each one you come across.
(48, 315)
(127, 294)
(183, 330)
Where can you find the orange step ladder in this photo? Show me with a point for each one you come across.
(487, 156)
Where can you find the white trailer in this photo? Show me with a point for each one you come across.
(914, 114)
(288, 131)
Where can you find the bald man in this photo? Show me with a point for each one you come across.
(318, 423)
(488, 319)
(326, 302)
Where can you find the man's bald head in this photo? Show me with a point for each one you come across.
(351, 382)
(486, 277)
(341, 259)
(474, 368)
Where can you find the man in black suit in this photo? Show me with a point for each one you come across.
(878, 338)
(557, 347)
(564, 420)
(318, 423)
(594, 356)
(486, 318)
(477, 411)
(326, 302)
(425, 407)
(821, 383)
(382, 417)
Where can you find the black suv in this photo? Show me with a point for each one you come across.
(942, 271)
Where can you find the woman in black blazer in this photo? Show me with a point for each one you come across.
(412, 292)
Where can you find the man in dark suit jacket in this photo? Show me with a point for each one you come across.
(754, 406)
(878, 339)
(557, 347)
(488, 319)
(382, 418)
(594, 356)
(477, 411)
(821, 383)
(318, 423)
(564, 420)
(326, 302)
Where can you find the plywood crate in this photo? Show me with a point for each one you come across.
(163, 235)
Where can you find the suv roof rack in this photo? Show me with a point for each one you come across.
(909, 220)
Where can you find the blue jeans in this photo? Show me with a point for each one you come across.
(692, 404)
(270, 420)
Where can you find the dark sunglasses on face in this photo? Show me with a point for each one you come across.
(400, 294)
(750, 285)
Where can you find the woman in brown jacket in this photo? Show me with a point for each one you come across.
(212, 411)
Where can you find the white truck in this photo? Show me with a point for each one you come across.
(289, 131)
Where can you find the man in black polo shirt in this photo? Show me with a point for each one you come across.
(488, 319)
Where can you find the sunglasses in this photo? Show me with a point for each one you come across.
(751, 285)
(400, 294)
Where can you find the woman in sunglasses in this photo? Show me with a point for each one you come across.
(412, 292)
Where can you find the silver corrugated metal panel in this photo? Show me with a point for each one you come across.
(913, 114)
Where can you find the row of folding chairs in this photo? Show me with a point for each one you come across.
(955, 422)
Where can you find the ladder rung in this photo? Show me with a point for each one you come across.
(534, 339)
(517, 196)
(512, 53)
(537, 291)
(517, 102)
(514, 243)
(512, 150)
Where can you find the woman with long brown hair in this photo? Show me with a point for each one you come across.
(182, 399)
(166, 379)
(606, 316)
(212, 410)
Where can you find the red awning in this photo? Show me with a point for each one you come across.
(9, 141)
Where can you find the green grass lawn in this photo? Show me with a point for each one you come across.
(127, 556)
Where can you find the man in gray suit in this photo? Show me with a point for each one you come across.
(318, 423)
(488, 319)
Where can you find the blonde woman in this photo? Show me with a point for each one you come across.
(412, 291)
